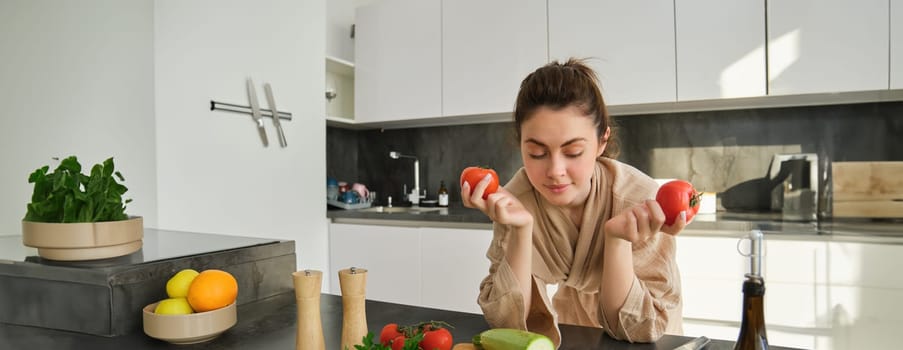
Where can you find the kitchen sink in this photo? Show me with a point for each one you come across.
(404, 210)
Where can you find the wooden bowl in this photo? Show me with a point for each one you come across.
(190, 328)
(84, 240)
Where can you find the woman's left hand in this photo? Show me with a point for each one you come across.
(642, 221)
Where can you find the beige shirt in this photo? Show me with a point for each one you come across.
(572, 259)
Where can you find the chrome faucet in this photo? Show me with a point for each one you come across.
(416, 189)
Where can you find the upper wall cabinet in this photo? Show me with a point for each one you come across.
(896, 44)
(818, 46)
(398, 60)
(631, 44)
(720, 49)
(488, 47)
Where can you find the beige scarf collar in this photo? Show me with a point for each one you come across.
(569, 255)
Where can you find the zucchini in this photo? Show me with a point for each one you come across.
(512, 339)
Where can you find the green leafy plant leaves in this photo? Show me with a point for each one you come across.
(66, 195)
(369, 343)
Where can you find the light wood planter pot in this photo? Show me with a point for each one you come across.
(84, 240)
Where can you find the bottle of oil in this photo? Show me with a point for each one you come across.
(752, 328)
(443, 194)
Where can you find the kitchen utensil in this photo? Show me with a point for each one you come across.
(350, 197)
(750, 195)
(307, 297)
(353, 283)
(272, 102)
(361, 190)
(255, 112)
(694, 344)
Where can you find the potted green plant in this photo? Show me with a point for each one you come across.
(73, 216)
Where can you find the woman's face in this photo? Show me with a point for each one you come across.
(559, 149)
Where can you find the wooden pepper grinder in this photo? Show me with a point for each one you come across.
(353, 282)
(307, 296)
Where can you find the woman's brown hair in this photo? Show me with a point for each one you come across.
(561, 85)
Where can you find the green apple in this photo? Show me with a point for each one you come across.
(177, 286)
(173, 306)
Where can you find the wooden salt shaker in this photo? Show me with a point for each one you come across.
(353, 282)
(307, 296)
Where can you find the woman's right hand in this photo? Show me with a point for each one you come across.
(501, 207)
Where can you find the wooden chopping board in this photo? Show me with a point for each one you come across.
(867, 189)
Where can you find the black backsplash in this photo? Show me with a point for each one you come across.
(714, 150)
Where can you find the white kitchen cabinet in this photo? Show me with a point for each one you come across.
(820, 292)
(865, 265)
(631, 44)
(866, 286)
(819, 46)
(488, 48)
(433, 267)
(454, 264)
(711, 277)
(390, 254)
(397, 60)
(720, 49)
(896, 44)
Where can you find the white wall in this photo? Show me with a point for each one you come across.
(76, 78)
(214, 175)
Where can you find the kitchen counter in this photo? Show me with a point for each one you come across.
(719, 224)
(271, 324)
(99, 296)
(455, 215)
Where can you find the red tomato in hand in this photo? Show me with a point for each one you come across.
(436, 339)
(389, 332)
(398, 342)
(474, 174)
(677, 196)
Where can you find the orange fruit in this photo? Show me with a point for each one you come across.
(211, 290)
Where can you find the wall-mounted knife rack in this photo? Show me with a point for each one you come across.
(222, 106)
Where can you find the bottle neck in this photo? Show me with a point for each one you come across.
(752, 328)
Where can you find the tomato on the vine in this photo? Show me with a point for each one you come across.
(676, 196)
(389, 333)
(398, 342)
(474, 174)
(436, 339)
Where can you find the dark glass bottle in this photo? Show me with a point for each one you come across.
(752, 329)
(443, 194)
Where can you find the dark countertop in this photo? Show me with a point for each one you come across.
(454, 213)
(723, 223)
(270, 324)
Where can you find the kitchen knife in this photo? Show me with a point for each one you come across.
(694, 344)
(272, 102)
(255, 113)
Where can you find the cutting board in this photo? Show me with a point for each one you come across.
(867, 189)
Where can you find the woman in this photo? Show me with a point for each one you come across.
(576, 218)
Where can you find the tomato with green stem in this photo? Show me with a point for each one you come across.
(389, 333)
(676, 196)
